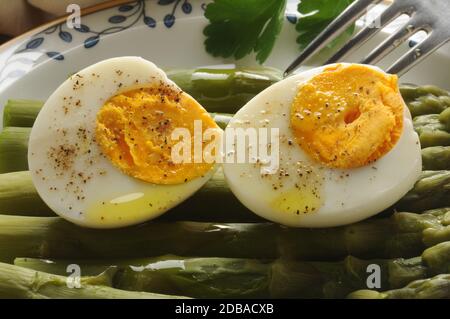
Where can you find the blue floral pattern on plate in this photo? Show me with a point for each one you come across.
(121, 18)
(125, 17)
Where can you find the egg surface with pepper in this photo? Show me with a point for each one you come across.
(346, 148)
(100, 151)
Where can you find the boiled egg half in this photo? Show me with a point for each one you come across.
(345, 148)
(100, 151)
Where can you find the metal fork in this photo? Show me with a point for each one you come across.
(431, 16)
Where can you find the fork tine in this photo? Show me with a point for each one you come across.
(335, 28)
(411, 27)
(417, 54)
(387, 16)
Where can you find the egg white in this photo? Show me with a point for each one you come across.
(348, 195)
(102, 196)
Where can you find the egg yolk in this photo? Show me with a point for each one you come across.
(348, 116)
(134, 131)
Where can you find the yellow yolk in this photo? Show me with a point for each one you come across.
(134, 130)
(348, 116)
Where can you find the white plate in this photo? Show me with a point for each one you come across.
(167, 32)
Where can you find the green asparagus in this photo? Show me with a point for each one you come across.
(437, 287)
(411, 92)
(444, 118)
(13, 149)
(432, 132)
(402, 235)
(251, 278)
(436, 158)
(224, 90)
(430, 138)
(18, 196)
(425, 99)
(432, 190)
(22, 283)
(231, 277)
(429, 122)
(218, 90)
(21, 113)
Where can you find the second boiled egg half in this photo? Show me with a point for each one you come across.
(342, 147)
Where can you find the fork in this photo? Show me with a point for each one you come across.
(431, 16)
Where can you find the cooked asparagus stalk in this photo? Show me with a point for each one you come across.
(22, 283)
(218, 90)
(444, 118)
(429, 122)
(430, 138)
(426, 99)
(437, 287)
(411, 92)
(252, 278)
(436, 158)
(18, 196)
(432, 131)
(402, 235)
(13, 149)
(224, 90)
(21, 113)
(227, 277)
(432, 190)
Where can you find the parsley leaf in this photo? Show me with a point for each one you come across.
(315, 17)
(237, 28)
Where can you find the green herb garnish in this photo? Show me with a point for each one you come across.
(238, 28)
(316, 15)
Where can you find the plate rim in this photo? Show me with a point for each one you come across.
(84, 12)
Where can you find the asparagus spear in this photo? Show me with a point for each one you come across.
(430, 138)
(401, 235)
(432, 190)
(224, 277)
(429, 122)
(437, 287)
(412, 92)
(218, 90)
(18, 196)
(252, 278)
(436, 158)
(21, 283)
(13, 149)
(426, 99)
(21, 113)
(444, 118)
(224, 90)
